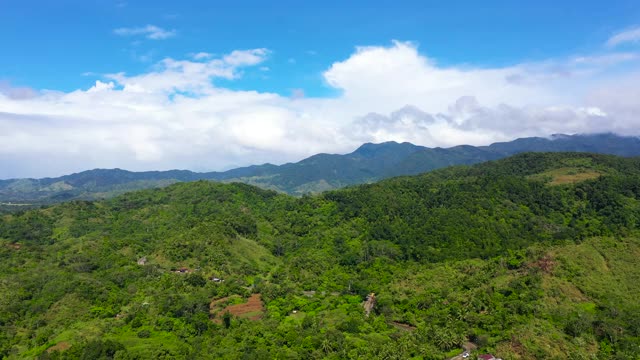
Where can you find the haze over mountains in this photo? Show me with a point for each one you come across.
(321, 172)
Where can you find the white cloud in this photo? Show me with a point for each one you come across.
(174, 116)
(605, 60)
(195, 77)
(16, 93)
(631, 35)
(150, 32)
(246, 57)
(468, 122)
(399, 75)
(101, 86)
(201, 56)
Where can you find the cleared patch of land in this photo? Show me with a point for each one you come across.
(252, 309)
(14, 246)
(567, 175)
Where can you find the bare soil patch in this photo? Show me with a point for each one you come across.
(253, 309)
(546, 264)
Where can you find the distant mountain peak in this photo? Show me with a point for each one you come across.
(559, 136)
(368, 148)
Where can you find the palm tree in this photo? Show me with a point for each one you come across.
(326, 346)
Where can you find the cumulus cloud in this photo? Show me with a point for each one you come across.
(174, 116)
(631, 35)
(246, 57)
(101, 86)
(468, 122)
(399, 75)
(149, 31)
(172, 75)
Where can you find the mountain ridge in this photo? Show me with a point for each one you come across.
(370, 162)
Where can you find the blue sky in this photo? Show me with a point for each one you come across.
(50, 44)
(211, 85)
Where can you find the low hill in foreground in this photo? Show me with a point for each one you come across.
(318, 173)
(533, 256)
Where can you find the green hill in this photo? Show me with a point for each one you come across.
(527, 257)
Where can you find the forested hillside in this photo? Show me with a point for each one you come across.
(530, 257)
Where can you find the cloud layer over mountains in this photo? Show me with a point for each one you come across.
(175, 116)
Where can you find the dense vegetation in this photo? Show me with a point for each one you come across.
(321, 172)
(534, 256)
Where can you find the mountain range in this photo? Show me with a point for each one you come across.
(318, 173)
(529, 257)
